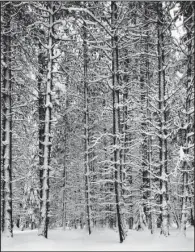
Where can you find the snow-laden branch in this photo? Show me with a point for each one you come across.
(91, 15)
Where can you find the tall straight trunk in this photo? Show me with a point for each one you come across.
(184, 216)
(162, 123)
(108, 207)
(123, 131)
(124, 127)
(193, 91)
(7, 227)
(149, 158)
(65, 158)
(2, 126)
(43, 228)
(151, 194)
(150, 218)
(109, 185)
(124, 137)
(64, 192)
(187, 140)
(143, 127)
(86, 133)
(3, 118)
(41, 108)
(116, 117)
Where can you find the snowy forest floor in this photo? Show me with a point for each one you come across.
(99, 240)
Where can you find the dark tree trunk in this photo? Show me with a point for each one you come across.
(44, 222)
(2, 126)
(65, 173)
(7, 225)
(149, 181)
(143, 125)
(162, 123)
(116, 118)
(189, 120)
(64, 194)
(86, 133)
(41, 66)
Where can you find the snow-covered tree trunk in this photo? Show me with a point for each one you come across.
(1, 149)
(7, 227)
(86, 133)
(64, 192)
(162, 122)
(150, 199)
(124, 127)
(65, 173)
(116, 117)
(43, 228)
(189, 120)
(150, 218)
(144, 171)
(3, 120)
(41, 66)
(184, 213)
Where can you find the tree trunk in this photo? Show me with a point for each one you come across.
(86, 133)
(162, 123)
(123, 156)
(7, 227)
(41, 65)
(189, 15)
(65, 173)
(150, 218)
(2, 126)
(116, 118)
(43, 229)
(143, 128)
(64, 191)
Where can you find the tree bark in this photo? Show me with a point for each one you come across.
(86, 133)
(7, 227)
(116, 117)
(2, 128)
(43, 228)
(150, 218)
(64, 192)
(162, 123)
(41, 66)
(186, 141)
(143, 124)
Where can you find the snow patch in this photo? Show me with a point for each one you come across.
(99, 240)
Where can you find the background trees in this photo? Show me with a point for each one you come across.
(110, 87)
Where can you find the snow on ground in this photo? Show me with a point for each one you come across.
(99, 240)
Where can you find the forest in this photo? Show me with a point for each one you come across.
(97, 116)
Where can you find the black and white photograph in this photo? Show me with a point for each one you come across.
(97, 125)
